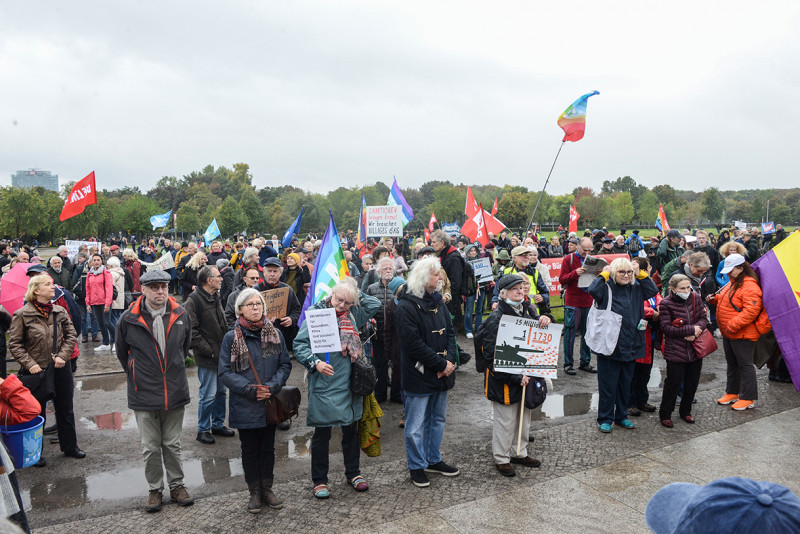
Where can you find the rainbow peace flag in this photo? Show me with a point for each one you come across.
(779, 272)
(661, 220)
(361, 237)
(573, 120)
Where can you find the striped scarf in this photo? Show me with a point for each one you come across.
(270, 342)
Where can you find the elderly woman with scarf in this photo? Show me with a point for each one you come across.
(296, 276)
(330, 401)
(254, 364)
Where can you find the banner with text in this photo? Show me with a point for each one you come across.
(384, 221)
(73, 246)
(524, 347)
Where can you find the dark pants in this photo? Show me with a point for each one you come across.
(258, 452)
(319, 452)
(741, 371)
(62, 402)
(677, 372)
(381, 369)
(397, 388)
(614, 387)
(104, 320)
(574, 324)
(641, 376)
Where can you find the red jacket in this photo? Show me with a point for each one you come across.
(17, 405)
(648, 332)
(99, 289)
(691, 313)
(568, 278)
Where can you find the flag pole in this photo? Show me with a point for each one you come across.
(545, 187)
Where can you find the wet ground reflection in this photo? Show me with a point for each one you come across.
(113, 382)
(109, 421)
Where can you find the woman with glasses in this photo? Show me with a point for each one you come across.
(330, 401)
(629, 288)
(254, 348)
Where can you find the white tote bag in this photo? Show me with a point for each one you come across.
(602, 328)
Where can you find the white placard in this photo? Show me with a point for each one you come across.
(73, 246)
(741, 225)
(323, 331)
(525, 348)
(483, 270)
(384, 221)
(166, 261)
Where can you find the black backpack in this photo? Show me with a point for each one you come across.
(469, 285)
(633, 245)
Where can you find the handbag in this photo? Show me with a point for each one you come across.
(362, 377)
(281, 405)
(535, 393)
(42, 385)
(602, 328)
(704, 344)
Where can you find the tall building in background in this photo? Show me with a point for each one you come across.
(35, 178)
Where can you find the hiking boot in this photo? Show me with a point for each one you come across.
(154, 501)
(506, 470)
(527, 461)
(742, 404)
(635, 412)
(443, 469)
(179, 495)
(588, 368)
(419, 478)
(728, 398)
(267, 495)
(254, 504)
(647, 408)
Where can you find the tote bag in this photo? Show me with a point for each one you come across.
(602, 328)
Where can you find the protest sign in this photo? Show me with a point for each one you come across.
(166, 261)
(483, 270)
(384, 221)
(323, 331)
(741, 225)
(277, 302)
(524, 347)
(452, 229)
(554, 268)
(73, 246)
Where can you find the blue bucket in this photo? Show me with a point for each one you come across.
(24, 441)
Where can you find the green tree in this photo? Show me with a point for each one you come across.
(279, 218)
(201, 196)
(647, 211)
(589, 208)
(188, 218)
(713, 204)
(231, 218)
(23, 212)
(134, 212)
(559, 209)
(169, 192)
(448, 203)
(623, 207)
(256, 215)
(513, 209)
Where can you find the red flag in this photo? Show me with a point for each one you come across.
(491, 222)
(494, 208)
(432, 221)
(83, 194)
(573, 219)
(471, 206)
(427, 235)
(475, 227)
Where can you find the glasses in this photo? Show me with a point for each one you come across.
(625, 273)
(252, 305)
(253, 278)
(157, 287)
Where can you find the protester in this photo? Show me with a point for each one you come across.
(254, 353)
(576, 308)
(391, 343)
(330, 401)
(453, 265)
(273, 269)
(380, 290)
(644, 366)
(554, 249)
(669, 249)
(474, 304)
(398, 252)
(189, 275)
(60, 275)
(117, 304)
(226, 272)
(134, 266)
(78, 284)
(99, 295)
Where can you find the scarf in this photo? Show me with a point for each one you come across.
(158, 325)
(348, 334)
(97, 271)
(270, 342)
(44, 309)
(290, 278)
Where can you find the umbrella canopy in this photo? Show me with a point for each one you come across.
(13, 287)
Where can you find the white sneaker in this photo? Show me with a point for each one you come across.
(114, 348)
(469, 335)
(102, 348)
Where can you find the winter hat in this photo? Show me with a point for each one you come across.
(394, 283)
(222, 263)
(295, 256)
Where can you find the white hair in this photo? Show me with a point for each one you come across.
(246, 295)
(349, 286)
(113, 261)
(420, 275)
(383, 261)
(248, 253)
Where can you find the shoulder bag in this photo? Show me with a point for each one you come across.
(281, 405)
(602, 327)
(362, 377)
(42, 385)
(704, 344)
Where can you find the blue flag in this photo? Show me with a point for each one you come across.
(211, 232)
(293, 229)
(160, 221)
(396, 198)
(329, 268)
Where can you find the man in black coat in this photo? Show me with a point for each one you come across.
(453, 265)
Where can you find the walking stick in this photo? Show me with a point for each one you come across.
(521, 413)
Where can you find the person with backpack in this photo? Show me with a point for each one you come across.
(634, 244)
(504, 390)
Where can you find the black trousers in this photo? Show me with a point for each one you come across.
(258, 452)
(319, 452)
(641, 376)
(689, 373)
(381, 370)
(62, 402)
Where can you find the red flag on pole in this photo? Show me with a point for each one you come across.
(470, 207)
(432, 221)
(427, 235)
(83, 194)
(475, 227)
(573, 219)
(494, 208)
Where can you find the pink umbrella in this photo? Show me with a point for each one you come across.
(13, 287)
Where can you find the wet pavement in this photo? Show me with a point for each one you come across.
(105, 492)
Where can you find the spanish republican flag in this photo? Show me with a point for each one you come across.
(779, 273)
(83, 194)
(573, 120)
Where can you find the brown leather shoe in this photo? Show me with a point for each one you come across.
(689, 419)
(667, 423)
(527, 461)
(179, 495)
(154, 501)
(506, 470)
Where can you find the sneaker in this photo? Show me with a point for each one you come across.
(728, 398)
(181, 496)
(102, 348)
(626, 423)
(419, 478)
(742, 404)
(605, 428)
(469, 335)
(443, 469)
(113, 348)
(155, 501)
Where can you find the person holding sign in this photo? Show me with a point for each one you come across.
(284, 302)
(330, 401)
(505, 389)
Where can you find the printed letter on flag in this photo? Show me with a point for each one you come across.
(82, 194)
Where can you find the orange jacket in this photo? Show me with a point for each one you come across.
(739, 324)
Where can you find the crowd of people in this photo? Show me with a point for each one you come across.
(400, 309)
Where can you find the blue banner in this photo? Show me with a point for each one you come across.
(293, 229)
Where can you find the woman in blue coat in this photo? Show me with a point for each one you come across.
(254, 344)
(330, 401)
(630, 287)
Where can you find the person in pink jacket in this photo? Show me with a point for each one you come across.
(99, 295)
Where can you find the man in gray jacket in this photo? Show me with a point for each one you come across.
(153, 337)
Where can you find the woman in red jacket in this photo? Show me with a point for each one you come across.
(738, 307)
(682, 318)
(99, 294)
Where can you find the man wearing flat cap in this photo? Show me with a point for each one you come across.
(153, 337)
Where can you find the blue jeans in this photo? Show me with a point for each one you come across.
(86, 318)
(104, 320)
(476, 303)
(211, 401)
(425, 419)
(614, 387)
(114, 317)
(574, 323)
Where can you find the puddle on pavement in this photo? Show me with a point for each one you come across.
(557, 405)
(114, 382)
(109, 421)
(655, 378)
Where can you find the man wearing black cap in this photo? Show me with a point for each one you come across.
(153, 337)
(669, 249)
(273, 268)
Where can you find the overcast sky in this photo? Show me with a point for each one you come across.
(331, 93)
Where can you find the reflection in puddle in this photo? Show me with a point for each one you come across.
(114, 382)
(557, 405)
(109, 421)
(300, 446)
(655, 378)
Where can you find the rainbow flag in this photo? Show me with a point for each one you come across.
(361, 237)
(573, 120)
(396, 198)
(661, 220)
(329, 268)
(779, 272)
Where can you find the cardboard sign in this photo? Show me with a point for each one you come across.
(323, 331)
(525, 348)
(73, 246)
(166, 261)
(277, 302)
(384, 221)
(483, 270)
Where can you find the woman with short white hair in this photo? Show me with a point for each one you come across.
(628, 287)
